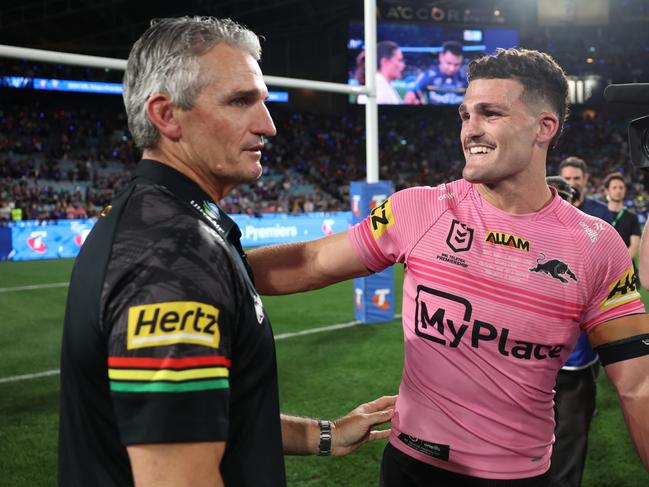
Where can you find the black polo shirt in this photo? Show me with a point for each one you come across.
(166, 340)
(626, 223)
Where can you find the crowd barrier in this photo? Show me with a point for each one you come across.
(55, 239)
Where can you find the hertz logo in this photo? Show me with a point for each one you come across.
(507, 240)
(153, 325)
(622, 291)
(381, 219)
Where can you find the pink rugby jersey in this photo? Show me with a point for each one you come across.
(492, 307)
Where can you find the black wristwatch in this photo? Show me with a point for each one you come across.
(324, 448)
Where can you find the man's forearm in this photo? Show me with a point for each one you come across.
(643, 258)
(281, 269)
(172, 464)
(292, 268)
(631, 379)
(300, 436)
(634, 245)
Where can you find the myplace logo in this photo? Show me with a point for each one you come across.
(448, 320)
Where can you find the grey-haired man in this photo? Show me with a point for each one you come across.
(168, 369)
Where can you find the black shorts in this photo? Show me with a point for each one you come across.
(401, 470)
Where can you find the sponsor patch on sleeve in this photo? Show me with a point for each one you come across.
(381, 219)
(169, 323)
(622, 291)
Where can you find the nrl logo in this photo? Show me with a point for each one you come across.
(211, 210)
(459, 237)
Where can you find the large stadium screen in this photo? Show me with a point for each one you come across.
(420, 64)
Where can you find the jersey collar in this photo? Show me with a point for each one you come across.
(187, 190)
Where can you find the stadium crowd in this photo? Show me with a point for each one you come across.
(617, 53)
(62, 163)
(68, 162)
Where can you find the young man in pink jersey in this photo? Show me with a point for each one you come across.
(501, 275)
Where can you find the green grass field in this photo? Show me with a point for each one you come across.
(323, 374)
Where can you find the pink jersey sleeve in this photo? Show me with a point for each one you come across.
(389, 232)
(614, 283)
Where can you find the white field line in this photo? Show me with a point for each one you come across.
(283, 336)
(16, 378)
(35, 286)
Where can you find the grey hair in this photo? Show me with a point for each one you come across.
(165, 60)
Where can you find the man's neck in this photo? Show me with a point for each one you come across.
(615, 205)
(516, 200)
(204, 181)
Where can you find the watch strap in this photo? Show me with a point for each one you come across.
(324, 448)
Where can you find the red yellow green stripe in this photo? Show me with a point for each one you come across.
(192, 386)
(150, 374)
(168, 375)
(167, 362)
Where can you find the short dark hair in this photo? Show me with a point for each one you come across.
(385, 49)
(542, 78)
(612, 177)
(576, 162)
(453, 47)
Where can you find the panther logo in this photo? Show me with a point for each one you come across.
(554, 268)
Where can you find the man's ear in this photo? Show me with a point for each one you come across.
(160, 111)
(548, 127)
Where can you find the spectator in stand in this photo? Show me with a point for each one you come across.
(329, 154)
(75, 210)
(623, 220)
(5, 211)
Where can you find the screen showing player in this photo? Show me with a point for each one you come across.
(422, 64)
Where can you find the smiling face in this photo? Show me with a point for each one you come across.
(222, 135)
(499, 131)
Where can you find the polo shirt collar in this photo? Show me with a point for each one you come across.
(187, 190)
